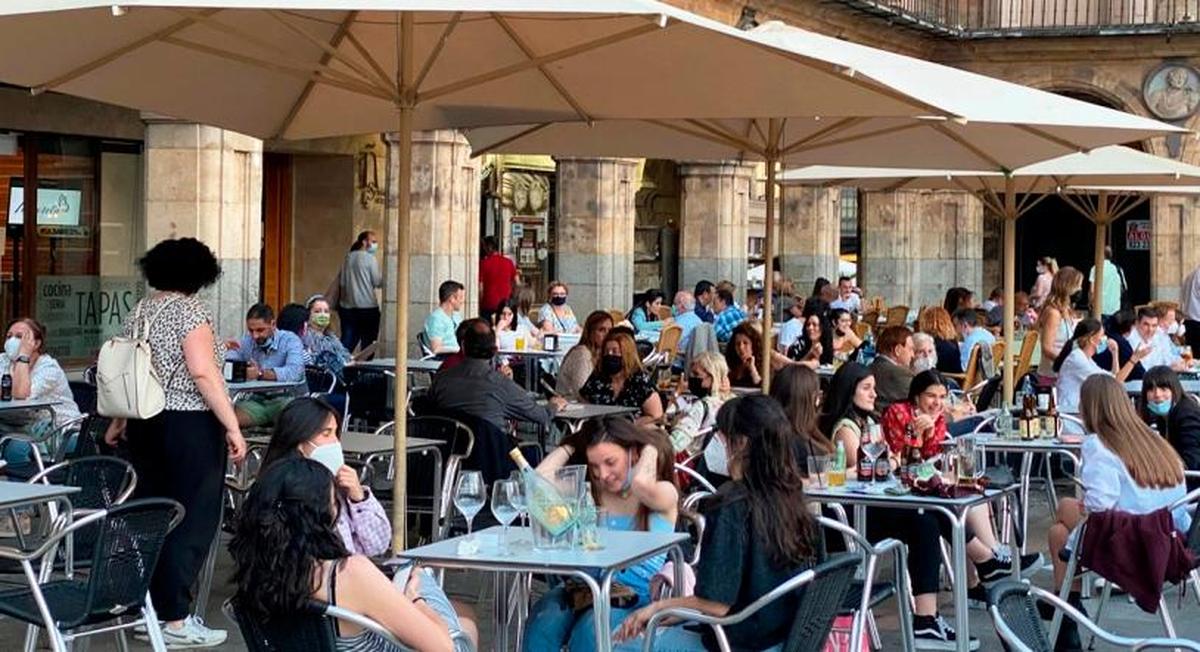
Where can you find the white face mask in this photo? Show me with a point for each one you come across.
(12, 347)
(716, 457)
(329, 456)
(1173, 329)
(923, 364)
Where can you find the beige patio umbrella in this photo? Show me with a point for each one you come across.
(997, 126)
(1113, 170)
(312, 68)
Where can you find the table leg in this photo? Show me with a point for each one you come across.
(600, 610)
(1026, 470)
(206, 573)
(500, 608)
(437, 531)
(959, 554)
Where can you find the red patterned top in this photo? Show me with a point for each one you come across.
(895, 428)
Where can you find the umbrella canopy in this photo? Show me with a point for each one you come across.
(313, 68)
(1112, 174)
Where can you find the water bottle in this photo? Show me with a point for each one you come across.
(1004, 422)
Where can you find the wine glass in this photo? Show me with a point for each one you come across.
(873, 449)
(468, 496)
(518, 499)
(504, 507)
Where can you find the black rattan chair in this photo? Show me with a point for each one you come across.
(1019, 626)
(124, 555)
(820, 591)
(103, 482)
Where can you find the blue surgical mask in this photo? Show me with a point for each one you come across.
(12, 347)
(329, 456)
(372, 248)
(1159, 408)
(1102, 346)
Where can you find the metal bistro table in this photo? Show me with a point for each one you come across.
(32, 405)
(574, 415)
(531, 358)
(594, 567)
(238, 391)
(854, 493)
(19, 494)
(1134, 387)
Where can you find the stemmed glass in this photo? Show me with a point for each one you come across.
(873, 449)
(518, 499)
(504, 507)
(469, 496)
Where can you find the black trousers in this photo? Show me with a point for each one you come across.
(922, 533)
(180, 455)
(1191, 335)
(359, 326)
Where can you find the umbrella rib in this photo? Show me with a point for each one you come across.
(515, 68)
(706, 136)
(966, 144)
(1052, 138)
(362, 51)
(331, 51)
(343, 30)
(214, 24)
(719, 131)
(317, 76)
(1135, 201)
(757, 129)
(437, 50)
(119, 52)
(840, 125)
(517, 136)
(803, 147)
(553, 81)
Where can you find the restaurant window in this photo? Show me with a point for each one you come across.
(69, 257)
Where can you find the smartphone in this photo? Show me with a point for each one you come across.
(403, 572)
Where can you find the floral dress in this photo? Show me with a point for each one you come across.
(598, 390)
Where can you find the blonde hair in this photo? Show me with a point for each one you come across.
(714, 365)
(1049, 263)
(1106, 411)
(935, 321)
(1067, 281)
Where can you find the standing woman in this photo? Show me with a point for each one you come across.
(180, 453)
(1056, 321)
(355, 289)
(1047, 267)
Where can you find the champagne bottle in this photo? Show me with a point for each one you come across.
(543, 500)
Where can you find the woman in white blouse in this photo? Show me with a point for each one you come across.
(35, 376)
(1074, 364)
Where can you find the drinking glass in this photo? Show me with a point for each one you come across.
(469, 496)
(518, 499)
(873, 449)
(818, 470)
(504, 508)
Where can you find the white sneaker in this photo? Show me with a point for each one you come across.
(193, 634)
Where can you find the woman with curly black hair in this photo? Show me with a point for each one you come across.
(287, 552)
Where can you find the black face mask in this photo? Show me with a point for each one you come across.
(558, 301)
(611, 365)
(696, 387)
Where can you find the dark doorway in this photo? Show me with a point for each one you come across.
(1052, 228)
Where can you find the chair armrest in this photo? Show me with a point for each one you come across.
(60, 532)
(695, 475)
(363, 622)
(1115, 639)
(1191, 497)
(684, 615)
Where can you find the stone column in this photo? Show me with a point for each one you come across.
(714, 222)
(206, 183)
(595, 221)
(809, 235)
(916, 245)
(444, 240)
(1174, 244)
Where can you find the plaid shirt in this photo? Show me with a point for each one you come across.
(726, 321)
(364, 526)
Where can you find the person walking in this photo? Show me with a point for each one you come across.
(1189, 304)
(354, 292)
(180, 453)
(497, 275)
(1114, 287)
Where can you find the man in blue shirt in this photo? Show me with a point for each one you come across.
(270, 354)
(967, 322)
(729, 315)
(704, 296)
(687, 319)
(445, 318)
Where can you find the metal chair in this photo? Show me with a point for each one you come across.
(310, 629)
(696, 476)
(1015, 615)
(126, 551)
(820, 592)
(54, 439)
(102, 481)
(896, 316)
(319, 380)
(91, 434)
(426, 346)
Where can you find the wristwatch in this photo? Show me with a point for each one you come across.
(22, 358)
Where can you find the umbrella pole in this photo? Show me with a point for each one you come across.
(405, 72)
(769, 255)
(1010, 282)
(1102, 213)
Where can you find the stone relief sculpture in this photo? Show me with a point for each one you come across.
(1172, 91)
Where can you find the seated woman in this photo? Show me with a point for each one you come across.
(936, 322)
(815, 345)
(1118, 329)
(633, 481)
(319, 340)
(1074, 363)
(621, 380)
(743, 353)
(758, 534)
(845, 340)
(556, 316)
(287, 551)
(308, 427)
(508, 327)
(1174, 413)
(524, 306)
(1125, 466)
(644, 315)
(798, 391)
(708, 383)
(36, 375)
(849, 409)
(581, 360)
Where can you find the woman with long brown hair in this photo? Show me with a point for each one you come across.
(633, 481)
(582, 359)
(1126, 466)
(620, 379)
(797, 389)
(1057, 319)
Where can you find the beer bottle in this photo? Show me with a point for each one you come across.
(866, 470)
(1052, 417)
(912, 446)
